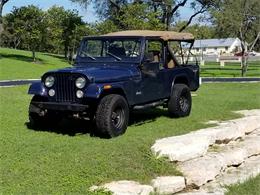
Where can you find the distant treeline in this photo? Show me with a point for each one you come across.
(57, 30)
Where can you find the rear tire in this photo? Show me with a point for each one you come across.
(112, 115)
(180, 102)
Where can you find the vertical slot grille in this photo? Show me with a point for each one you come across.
(65, 87)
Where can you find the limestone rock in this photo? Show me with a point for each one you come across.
(253, 112)
(168, 184)
(183, 147)
(233, 156)
(232, 175)
(256, 132)
(252, 145)
(247, 124)
(228, 132)
(201, 170)
(201, 192)
(125, 187)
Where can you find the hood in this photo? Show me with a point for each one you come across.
(104, 73)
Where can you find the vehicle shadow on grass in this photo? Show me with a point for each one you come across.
(21, 57)
(141, 117)
(74, 127)
(67, 126)
(60, 57)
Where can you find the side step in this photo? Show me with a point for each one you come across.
(150, 105)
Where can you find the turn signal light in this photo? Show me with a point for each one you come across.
(107, 86)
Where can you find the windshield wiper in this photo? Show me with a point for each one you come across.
(89, 56)
(114, 56)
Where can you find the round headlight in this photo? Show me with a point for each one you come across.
(49, 81)
(79, 94)
(80, 82)
(51, 93)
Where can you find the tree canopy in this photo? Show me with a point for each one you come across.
(240, 18)
(160, 13)
(56, 30)
(2, 3)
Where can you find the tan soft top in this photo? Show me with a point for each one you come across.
(165, 35)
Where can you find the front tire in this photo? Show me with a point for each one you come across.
(180, 102)
(112, 115)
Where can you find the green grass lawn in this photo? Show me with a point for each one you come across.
(68, 160)
(17, 64)
(213, 69)
(251, 187)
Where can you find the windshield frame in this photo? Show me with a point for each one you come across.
(105, 59)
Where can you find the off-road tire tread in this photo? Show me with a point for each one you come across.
(173, 104)
(103, 121)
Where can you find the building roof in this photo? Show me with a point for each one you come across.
(214, 42)
(165, 35)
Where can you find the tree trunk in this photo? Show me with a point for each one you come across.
(33, 56)
(2, 2)
(66, 51)
(244, 58)
(244, 66)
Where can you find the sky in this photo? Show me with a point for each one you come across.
(87, 15)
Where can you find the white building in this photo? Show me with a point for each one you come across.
(216, 46)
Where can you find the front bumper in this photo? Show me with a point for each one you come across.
(59, 106)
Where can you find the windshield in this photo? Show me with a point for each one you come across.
(110, 49)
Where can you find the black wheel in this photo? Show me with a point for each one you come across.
(179, 104)
(112, 115)
(41, 118)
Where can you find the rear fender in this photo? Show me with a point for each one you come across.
(180, 79)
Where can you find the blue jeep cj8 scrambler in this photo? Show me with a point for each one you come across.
(116, 73)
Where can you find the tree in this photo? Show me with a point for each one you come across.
(199, 31)
(56, 30)
(2, 3)
(55, 16)
(62, 26)
(12, 34)
(27, 24)
(240, 18)
(68, 26)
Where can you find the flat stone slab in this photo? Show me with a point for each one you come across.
(253, 112)
(201, 170)
(168, 184)
(201, 192)
(195, 144)
(183, 147)
(125, 187)
(249, 169)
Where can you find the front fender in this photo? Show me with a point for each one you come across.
(93, 91)
(96, 90)
(37, 88)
